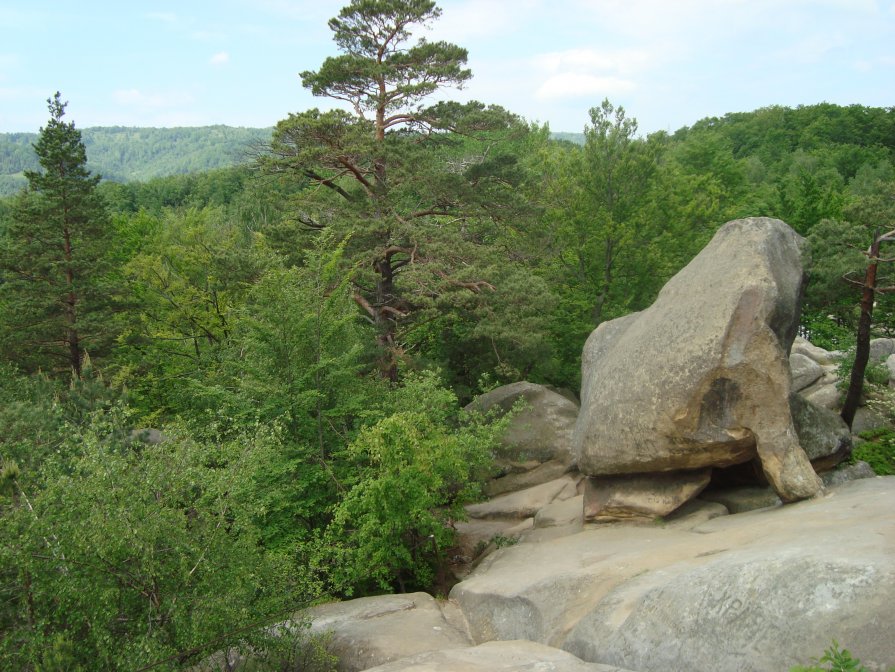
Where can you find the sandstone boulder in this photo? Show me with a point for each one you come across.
(525, 503)
(823, 357)
(825, 395)
(537, 446)
(701, 378)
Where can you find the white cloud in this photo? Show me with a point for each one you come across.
(220, 58)
(137, 98)
(591, 60)
(580, 85)
(578, 73)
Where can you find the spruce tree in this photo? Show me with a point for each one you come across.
(54, 294)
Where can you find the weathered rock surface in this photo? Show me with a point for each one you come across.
(712, 389)
(823, 435)
(752, 592)
(542, 431)
(518, 656)
(526, 503)
(824, 357)
(846, 473)
(561, 514)
(374, 630)
(743, 498)
(881, 349)
(825, 395)
(805, 371)
(644, 496)
(866, 419)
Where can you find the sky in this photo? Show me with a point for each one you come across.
(669, 63)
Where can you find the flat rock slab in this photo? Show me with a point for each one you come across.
(518, 656)
(374, 630)
(758, 591)
(525, 503)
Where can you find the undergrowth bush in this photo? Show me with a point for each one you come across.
(834, 660)
(878, 450)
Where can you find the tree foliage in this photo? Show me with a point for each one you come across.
(56, 279)
(420, 190)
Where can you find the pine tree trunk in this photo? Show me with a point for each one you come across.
(862, 347)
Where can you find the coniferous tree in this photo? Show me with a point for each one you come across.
(419, 192)
(53, 259)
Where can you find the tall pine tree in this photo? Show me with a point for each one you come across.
(420, 194)
(54, 294)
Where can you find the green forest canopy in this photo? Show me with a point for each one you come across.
(304, 328)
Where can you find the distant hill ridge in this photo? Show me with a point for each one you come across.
(124, 154)
(137, 154)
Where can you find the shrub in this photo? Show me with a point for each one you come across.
(878, 450)
(839, 660)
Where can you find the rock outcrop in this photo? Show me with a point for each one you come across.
(371, 631)
(752, 592)
(701, 378)
(703, 591)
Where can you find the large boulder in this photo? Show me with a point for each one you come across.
(701, 378)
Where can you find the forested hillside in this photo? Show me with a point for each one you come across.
(303, 330)
(137, 154)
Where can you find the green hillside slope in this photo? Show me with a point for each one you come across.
(136, 154)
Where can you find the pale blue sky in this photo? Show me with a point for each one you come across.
(236, 62)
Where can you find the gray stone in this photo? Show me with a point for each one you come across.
(374, 630)
(890, 364)
(758, 591)
(867, 419)
(643, 496)
(148, 435)
(693, 513)
(743, 498)
(805, 371)
(515, 656)
(819, 355)
(826, 396)
(525, 503)
(823, 435)
(881, 349)
(542, 431)
(846, 473)
(526, 477)
(713, 389)
(562, 513)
